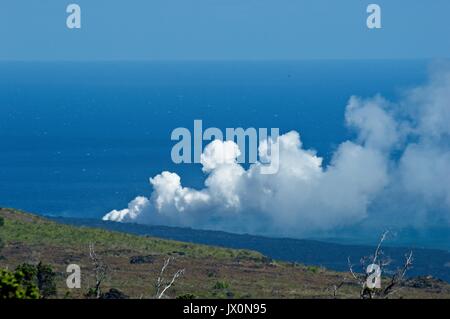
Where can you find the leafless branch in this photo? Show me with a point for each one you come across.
(354, 275)
(100, 270)
(378, 251)
(398, 277)
(335, 288)
(161, 284)
(382, 261)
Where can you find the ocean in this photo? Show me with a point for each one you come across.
(78, 139)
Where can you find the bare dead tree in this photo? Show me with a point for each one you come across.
(100, 271)
(335, 288)
(162, 285)
(398, 277)
(380, 259)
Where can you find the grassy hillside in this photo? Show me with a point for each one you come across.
(332, 256)
(135, 261)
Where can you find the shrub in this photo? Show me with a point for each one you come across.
(41, 276)
(221, 285)
(313, 269)
(14, 285)
(46, 280)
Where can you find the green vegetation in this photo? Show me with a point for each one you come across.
(313, 269)
(221, 285)
(34, 230)
(40, 275)
(28, 282)
(222, 290)
(134, 265)
(17, 285)
(2, 222)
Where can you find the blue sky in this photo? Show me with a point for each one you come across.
(223, 29)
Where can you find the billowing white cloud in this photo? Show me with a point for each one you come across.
(375, 125)
(133, 212)
(398, 167)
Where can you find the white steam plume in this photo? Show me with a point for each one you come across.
(397, 168)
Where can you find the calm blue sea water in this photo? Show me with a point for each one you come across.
(80, 139)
